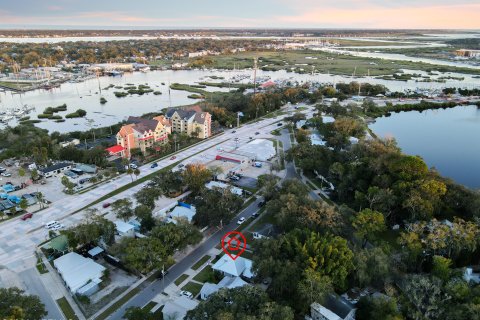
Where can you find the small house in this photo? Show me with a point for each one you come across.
(55, 169)
(124, 229)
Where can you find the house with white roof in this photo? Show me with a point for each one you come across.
(125, 229)
(227, 282)
(234, 268)
(177, 309)
(333, 308)
(81, 275)
(182, 212)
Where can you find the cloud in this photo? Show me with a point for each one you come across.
(54, 8)
(446, 16)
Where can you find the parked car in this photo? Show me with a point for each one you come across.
(51, 224)
(241, 220)
(234, 131)
(106, 205)
(255, 215)
(261, 203)
(257, 133)
(162, 274)
(187, 294)
(234, 178)
(251, 138)
(27, 216)
(133, 166)
(5, 174)
(173, 158)
(57, 227)
(154, 165)
(181, 165)
(16, 188)
(279, 124)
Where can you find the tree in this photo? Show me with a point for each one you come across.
(41, 200)
(67, 184)
(147, 196)
(137, 313)
(123, 209)
(216, 206)
(23, 204)
(177, 236)
(372, 267)
(130, 173)
(247, 302)
(426, 297)
(144, 213)
(441, 267)
(145, 254)
(167, 181)
(14, 304)
(21, 172)
(90, 231)
(367, 224)
(381, 308)
(314, 288)
(136, 172)
(195, 176)
(34, 174)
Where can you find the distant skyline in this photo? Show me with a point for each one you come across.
(385, 14)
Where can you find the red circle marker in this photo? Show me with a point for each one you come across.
(234, 244)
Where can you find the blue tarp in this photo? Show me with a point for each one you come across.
(183, 204)
(8, 188)
(14, 199)
(3, 196)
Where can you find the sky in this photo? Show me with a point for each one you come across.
(395, 14)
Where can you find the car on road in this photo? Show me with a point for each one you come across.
(51, 224)
(181, 165)
(154, 165)
(57, 227)
(241, 220)
(234, 131)
(257, 133)
(279, 124)
(5, 174)
(27, 216)
(187, 294)
(261, 203)
(106, 205)
(255, 215)
(250, 138)
(173, 158)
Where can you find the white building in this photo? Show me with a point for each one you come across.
(227, 282)
(217, 184)
(125, 229)
(181, 212)
(334, 308)
(234, 268)
(81, 275)
(177, 309)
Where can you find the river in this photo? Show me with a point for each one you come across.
(445, 139)
(86, 95)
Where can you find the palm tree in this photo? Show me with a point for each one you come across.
(41, 200)
(130, 172)
(136, 172)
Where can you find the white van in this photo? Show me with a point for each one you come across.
(51, 224)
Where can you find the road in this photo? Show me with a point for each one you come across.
(183, 265)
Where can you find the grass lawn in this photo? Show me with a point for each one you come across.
(118, 304)
(201, 262)
(149, 306)
(40, 266)
(66, 309)
(158, 314)
(206, 275)
(193, 287)
(180, 279)
(217, 257)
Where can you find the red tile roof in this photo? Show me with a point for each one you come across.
(115, 149)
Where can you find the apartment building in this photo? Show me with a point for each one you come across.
(143, 134)
(190, 122)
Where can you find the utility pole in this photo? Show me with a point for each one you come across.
(254, 76)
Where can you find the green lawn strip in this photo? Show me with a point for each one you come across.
(118, 304)
(192, 287)
(66, 309)
(180, 279)
(217, 258)
(41, 266)
(149, 306)
(206, 275)
(139, 181)
(201, 262)
(158, 313)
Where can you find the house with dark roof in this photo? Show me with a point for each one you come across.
(333, 308)
(190, 122)
(140, 133)
(55, 169)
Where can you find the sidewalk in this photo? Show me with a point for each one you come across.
(54, 285)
